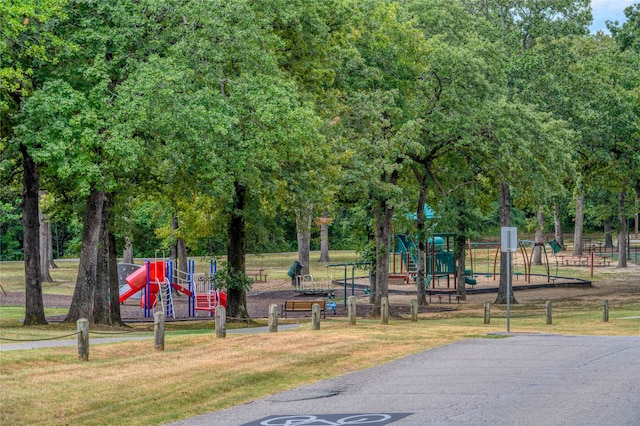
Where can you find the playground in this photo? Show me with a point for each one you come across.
(609, 284)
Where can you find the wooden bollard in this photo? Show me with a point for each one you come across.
(487, 313)
(273, 318)
(221, 321)
(351, 309)
(82, 327)
(414, 310)
(315, 316)
(549, 313)
(605, 311)
(384, 311)
(158, 330)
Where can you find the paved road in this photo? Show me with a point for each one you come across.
(520, 380)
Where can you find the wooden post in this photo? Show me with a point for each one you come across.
(384, 311)
(351, 309)
(414, 310)
(549, 312)
(315, 316)
(158, 330)
(487, 313)
(221, 321)
(82, 326)
(273, 318)
(605, 311)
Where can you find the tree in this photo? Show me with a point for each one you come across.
(378, 77)
(230, 120)
(70, 122)
(45, 243)
(627, 34)
(25, 45)
(521, 26)
(448, 105)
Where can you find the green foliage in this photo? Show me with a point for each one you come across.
(229, 279)
(10, 230)
(337, 104)
(627, 34)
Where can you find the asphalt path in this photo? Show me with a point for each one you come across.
(517, 380)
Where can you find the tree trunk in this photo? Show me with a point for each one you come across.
(577, 233)
(52, 262)
(45, 244)
(608, 238)
(34, 307)
(422, 238)
(557, 226)
(182, 255)
(539, 238)
(173, 245)
(303, 226)
(236, 251)
(101, 311)
(505, 220)
(82, 301)
(373, 285)
(127, 255)
(622, 234)
(383, 216)
(114, 285)
(637, 216)
(324, 238)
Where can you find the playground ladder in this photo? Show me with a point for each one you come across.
(166, 297)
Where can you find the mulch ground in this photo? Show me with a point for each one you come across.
(618, 287)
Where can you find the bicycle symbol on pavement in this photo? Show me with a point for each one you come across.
(374, 419)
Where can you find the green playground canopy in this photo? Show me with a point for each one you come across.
(428, 211)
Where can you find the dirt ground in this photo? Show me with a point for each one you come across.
(617, 286)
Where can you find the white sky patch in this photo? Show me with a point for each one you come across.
(608, 10)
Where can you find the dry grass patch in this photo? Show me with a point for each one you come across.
(129, 383)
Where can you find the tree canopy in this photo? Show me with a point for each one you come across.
(227, 116)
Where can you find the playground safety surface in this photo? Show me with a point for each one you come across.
(277, 291)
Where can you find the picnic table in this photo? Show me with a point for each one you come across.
(441, 293)
(258, 274)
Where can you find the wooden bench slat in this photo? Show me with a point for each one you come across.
(303, 306)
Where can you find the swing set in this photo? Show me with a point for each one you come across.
(527, 250)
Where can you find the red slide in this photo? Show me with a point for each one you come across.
(138, 280)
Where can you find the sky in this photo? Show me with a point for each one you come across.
(612, 10)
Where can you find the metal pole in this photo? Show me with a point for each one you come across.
(353, 279)
(508, 291)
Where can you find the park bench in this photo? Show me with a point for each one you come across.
(303, 306)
